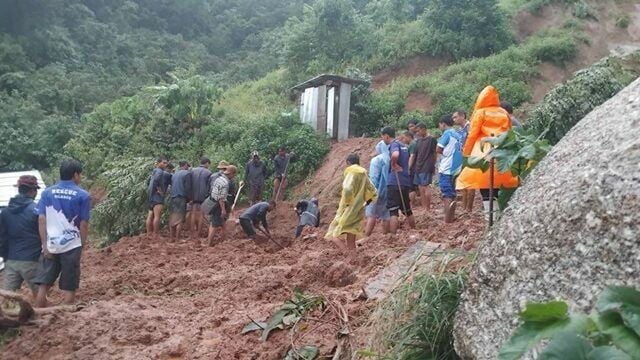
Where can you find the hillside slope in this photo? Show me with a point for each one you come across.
(600, 37)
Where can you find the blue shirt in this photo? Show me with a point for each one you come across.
(179, 184)
(65, 205)
(464, 132)
(451, 160)
(403, 161)
(378, 174)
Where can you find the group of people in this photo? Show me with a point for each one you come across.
(197, 195)
(405, 164)
(43, 242)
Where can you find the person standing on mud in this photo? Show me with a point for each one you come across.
(156, 190)
(200, 191)
(219, 193)
(357, 192)
(308, 215)
(281, 165)
(425, 161)
(64, 226)
(450, 146)
(20, 245)
(255, 174)
(460, 119)
(180, 190)
(378, 174)
(399, 182)
(256, 215)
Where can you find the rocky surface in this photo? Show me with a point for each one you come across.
(572, 229)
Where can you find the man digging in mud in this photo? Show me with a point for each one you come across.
(308, 215)
(254, 216)
(357, 192)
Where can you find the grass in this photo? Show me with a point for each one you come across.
(416, 320)
(6, 335)
(456, 86)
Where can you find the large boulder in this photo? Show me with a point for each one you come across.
(572, 229)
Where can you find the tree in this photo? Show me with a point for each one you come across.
(466, 28)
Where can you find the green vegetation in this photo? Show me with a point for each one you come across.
(456, 86)
(568, 103)
(611, 332)
(416, 320)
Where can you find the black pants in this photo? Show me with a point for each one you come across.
(485, 194)
(247, 226)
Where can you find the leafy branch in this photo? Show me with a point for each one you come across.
(611, 332)
(516, 150)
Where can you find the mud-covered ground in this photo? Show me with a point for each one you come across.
(149, 299)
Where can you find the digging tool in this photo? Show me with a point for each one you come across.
(404, 206)
(491, 187)
(286, 167)
(235, 201)
(269, 237)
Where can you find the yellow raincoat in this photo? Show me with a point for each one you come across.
(488, 119)
(357, 189)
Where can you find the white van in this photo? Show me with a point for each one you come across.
(8, 180)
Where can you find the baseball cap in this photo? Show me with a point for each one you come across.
(29, 181)
(223, 165)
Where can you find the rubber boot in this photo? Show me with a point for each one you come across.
(485, 207)
(496, 210)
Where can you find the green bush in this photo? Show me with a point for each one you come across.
(568, 103)
(582, 10)
(465, 28)
(623, 21)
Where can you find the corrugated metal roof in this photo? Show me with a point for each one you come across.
(8, 181)
(326, 79)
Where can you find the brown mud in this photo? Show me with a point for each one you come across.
(150, 299)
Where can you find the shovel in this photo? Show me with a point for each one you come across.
(269, 237)
(235, 201)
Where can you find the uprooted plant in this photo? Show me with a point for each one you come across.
(516, 150)
(290, 313)
(612, 331)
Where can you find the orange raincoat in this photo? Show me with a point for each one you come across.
(357, 189)
(488, 119)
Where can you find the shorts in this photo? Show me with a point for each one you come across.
(398, 201)
(17, 271)
(215, 217)
(66, 265)
(447, 188)
(377, 210)
(155, 200)
(423, 179)
(247, 226)
(178, 206)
